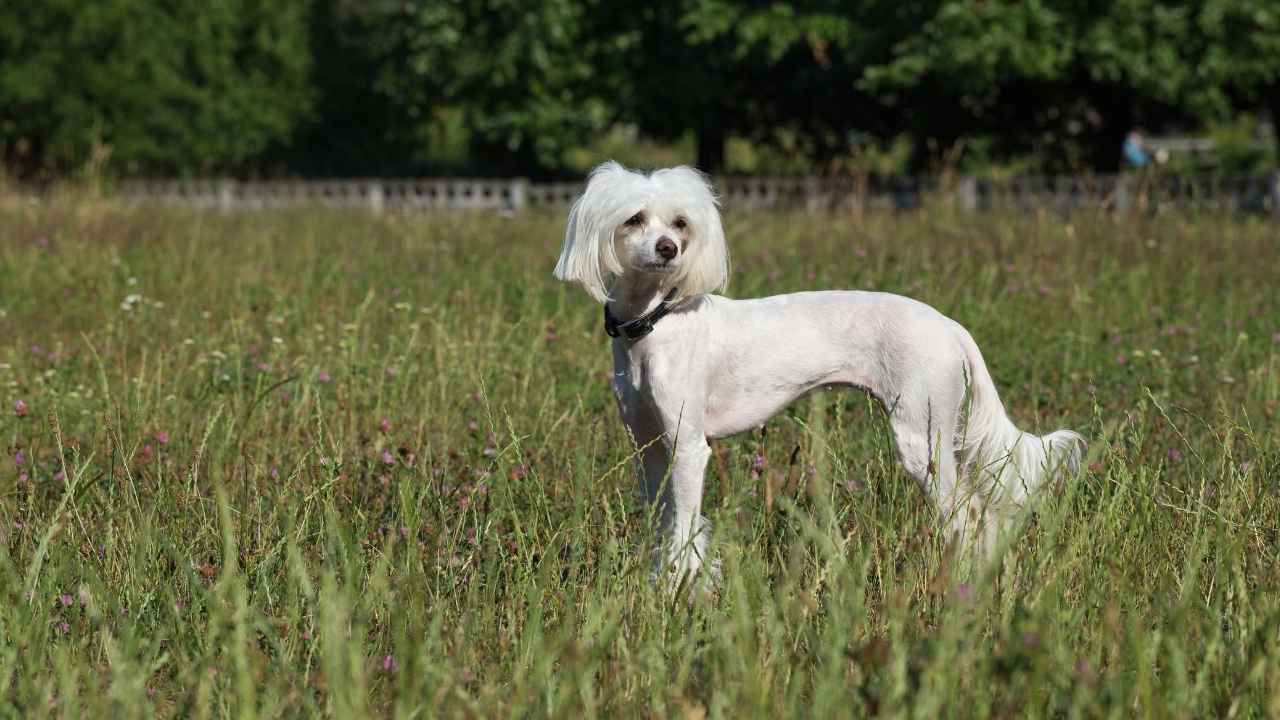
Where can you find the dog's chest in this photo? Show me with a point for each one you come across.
(630, 384)
(627, 383)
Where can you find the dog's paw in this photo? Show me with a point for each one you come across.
(687, 566)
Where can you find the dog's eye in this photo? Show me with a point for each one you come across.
(635, 220)
(680, 223)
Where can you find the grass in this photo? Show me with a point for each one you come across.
(322, 463)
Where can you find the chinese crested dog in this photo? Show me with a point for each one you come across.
(691, 366)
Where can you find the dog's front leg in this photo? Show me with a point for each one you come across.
(684, 532)
(674, 479)
(662, 400)
(673, 473)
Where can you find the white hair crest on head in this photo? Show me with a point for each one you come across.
(614, 194)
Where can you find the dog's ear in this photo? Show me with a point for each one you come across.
(588, 254)
(706, 265)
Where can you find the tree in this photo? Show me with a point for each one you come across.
(358, 123)
(524, 78)
(179, 87)
(1067, 80)
(783, 74)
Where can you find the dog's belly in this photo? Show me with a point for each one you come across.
(776, 349)
(730, 416)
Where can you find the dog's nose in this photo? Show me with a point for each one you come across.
(667, 248)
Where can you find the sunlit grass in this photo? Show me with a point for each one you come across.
(315, 462)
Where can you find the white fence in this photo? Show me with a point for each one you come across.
(1259, 194)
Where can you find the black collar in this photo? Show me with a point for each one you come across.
(641, 326)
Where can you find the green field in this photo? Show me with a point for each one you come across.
(314, 462)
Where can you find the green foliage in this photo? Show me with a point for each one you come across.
(318, 87)
(186, 87)
(780, 75)
(522, 75)
(1050, 75)
(236, 531)
(1239, 149)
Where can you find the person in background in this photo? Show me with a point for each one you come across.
(1135, 152)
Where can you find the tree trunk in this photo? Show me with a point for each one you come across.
(711, 142)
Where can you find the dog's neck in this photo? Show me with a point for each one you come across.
(629, 300)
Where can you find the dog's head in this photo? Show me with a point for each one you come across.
(665, 225)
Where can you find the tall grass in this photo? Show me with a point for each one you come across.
(292, 463)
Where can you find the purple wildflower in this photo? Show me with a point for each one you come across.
(1175, 454)
(757, 463)
(20, 409)
(389, 664)
(162, 437)
(388, 458)
(66, 600)
(323, 377)
(19, 458)
(64, 627)
(384, 425)
(60, 476)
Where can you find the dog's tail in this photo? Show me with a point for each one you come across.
(1010, 462)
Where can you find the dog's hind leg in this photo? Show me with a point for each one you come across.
(923, 432)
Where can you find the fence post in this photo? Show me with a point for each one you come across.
(226, 195)
(812, 194)
(376, 198)
(1123, 183)
(1275, 196)
(519, 194)
(969, 193)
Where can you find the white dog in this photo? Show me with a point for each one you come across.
(690, 366)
